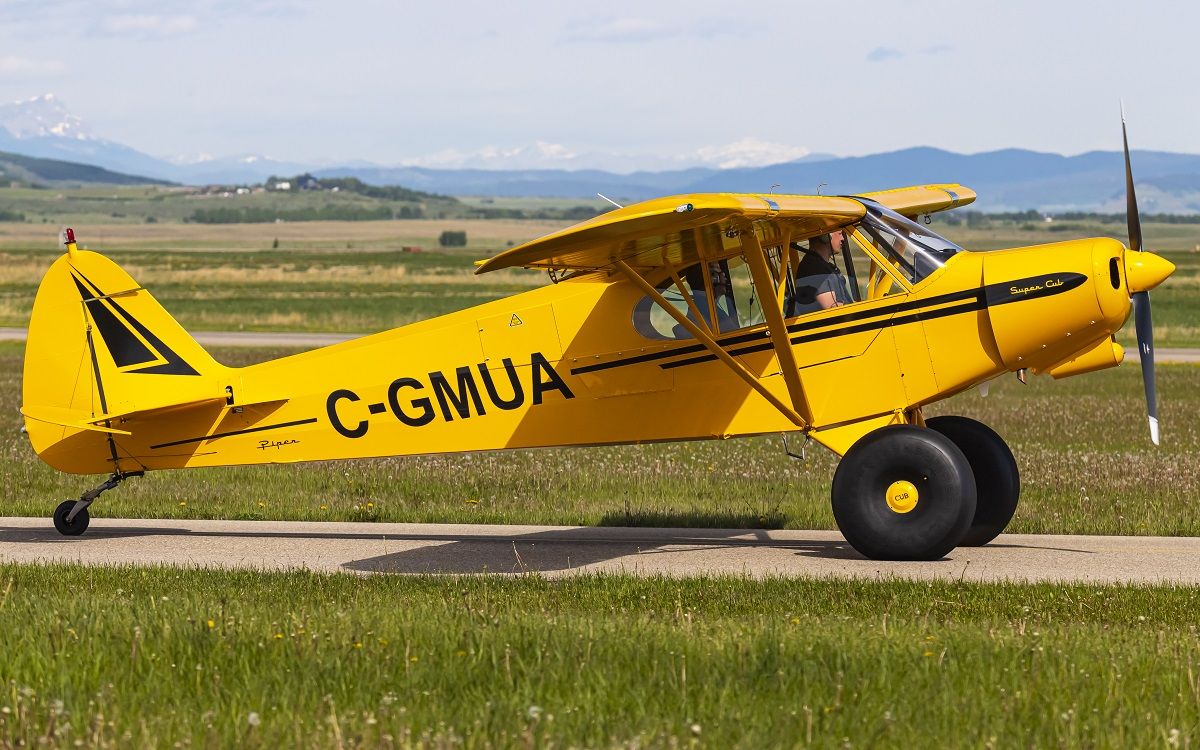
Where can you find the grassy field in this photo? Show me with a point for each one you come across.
(158, 658)
(1086, 461)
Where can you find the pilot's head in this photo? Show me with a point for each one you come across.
(822, 245)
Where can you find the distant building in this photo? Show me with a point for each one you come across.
(307, 182)
(282, 185)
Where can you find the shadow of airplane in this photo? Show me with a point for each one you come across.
(545, 551)
(540, 551)
(567, 549)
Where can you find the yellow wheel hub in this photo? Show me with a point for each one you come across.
(901, 496)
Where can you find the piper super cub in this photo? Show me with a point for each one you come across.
(681, 318)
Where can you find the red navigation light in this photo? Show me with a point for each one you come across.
(70, 236)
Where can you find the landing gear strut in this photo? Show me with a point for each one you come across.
(71, 517)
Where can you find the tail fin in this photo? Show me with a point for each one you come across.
(100, 348)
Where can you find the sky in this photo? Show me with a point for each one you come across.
(389, 81)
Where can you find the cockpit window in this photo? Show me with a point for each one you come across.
(881, 254)
(916, 250)
(733, 303)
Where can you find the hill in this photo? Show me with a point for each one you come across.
(29, 169)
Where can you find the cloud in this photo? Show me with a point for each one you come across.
(147, 25)
(23, 67)
(630, 30)
(880, 54)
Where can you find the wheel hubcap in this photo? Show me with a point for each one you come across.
(902, 496)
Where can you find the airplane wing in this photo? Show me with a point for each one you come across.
(923, 199)
(679, 230)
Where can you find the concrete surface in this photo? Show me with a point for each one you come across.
(562, 550)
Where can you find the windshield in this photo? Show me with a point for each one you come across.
(916, 250)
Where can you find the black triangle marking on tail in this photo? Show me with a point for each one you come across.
(127, 349)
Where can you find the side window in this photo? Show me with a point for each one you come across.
(828, 270)
(720, 291)
(742, 308)
(880, 281)
(653, 322)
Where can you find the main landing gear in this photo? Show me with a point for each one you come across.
(71, 517)
(914, 493)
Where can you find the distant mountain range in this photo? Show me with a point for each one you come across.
(1012, 179)
(1009, 179)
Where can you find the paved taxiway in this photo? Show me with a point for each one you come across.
(300, 339)
(565, 550)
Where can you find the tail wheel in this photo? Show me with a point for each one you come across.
(904, 493)
(76, 525)
(997, 480)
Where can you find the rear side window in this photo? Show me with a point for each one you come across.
(720, 291)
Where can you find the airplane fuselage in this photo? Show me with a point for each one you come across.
(564, 365)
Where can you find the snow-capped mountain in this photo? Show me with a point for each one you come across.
(42, 116)
(44, 127)
(753, 152)
(747, 152)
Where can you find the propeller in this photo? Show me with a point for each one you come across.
(1141, 298)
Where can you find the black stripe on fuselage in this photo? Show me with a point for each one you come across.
(246, 431)
(834, 333)
(977, 299)
(792, 328)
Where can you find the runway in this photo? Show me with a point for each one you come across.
(373, 548)
(312, 340)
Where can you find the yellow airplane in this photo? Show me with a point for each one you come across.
(681, 318)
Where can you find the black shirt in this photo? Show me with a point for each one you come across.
(816, 276)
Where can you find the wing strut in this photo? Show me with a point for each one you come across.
(709, 343)
(772, 306)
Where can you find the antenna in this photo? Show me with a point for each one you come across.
(610, 200)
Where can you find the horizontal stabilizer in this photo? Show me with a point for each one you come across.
(68, 418)
(142, 411)
(203, 403)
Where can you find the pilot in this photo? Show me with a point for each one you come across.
(819, 282)
(694, 277)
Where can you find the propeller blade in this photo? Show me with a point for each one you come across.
(1141, 299)
(1145, 340)
(1131, 209)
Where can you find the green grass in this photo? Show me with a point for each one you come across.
(153, 658)
(1086, 462)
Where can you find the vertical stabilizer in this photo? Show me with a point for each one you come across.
(100, 346)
